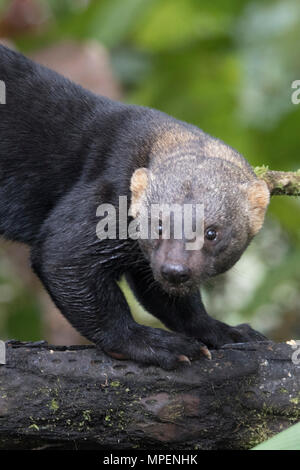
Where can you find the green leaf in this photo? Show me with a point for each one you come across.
(289, 439)
(112, 21)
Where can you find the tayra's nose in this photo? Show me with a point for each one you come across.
(175, 273)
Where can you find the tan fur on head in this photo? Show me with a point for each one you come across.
(259, 197)
(138, 186)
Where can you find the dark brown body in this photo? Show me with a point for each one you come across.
(65, 151)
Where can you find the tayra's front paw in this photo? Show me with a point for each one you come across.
(222, 334)
(245, 334)
(155, 346)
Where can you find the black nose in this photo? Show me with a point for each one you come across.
(175, 273)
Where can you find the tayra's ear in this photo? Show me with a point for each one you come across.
(259, 198)
(138, 184)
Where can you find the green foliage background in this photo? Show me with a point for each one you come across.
(226, 66)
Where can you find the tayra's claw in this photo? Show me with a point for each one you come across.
(183, 358)
(205, 351)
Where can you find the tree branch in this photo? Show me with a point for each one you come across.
(79, 398)
(280, 183)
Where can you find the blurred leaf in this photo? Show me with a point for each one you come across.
(266, 37)
(3, 4)
(173, 23)
(115, 19)
(287, 269)
(131, 66)
(107, 21)
(23, 318)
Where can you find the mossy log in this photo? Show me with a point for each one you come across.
(78, 398)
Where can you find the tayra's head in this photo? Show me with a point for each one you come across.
(198, 206)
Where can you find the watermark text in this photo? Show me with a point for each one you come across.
(2, 92)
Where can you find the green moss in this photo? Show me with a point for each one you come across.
(259, 434)
(115, 383)
(54, 405)
(260, 431)
(108, 415)
(86, 414)
(34, 426)
(260, 171)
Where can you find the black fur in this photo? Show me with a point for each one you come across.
(64, 151)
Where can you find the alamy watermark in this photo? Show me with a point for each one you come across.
(2, 92)
(295, 97)
(153, 222)
(2, 353)
(296, 354)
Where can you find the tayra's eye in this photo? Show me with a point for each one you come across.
(211, 234)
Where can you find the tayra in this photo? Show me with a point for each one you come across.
(63, 153)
